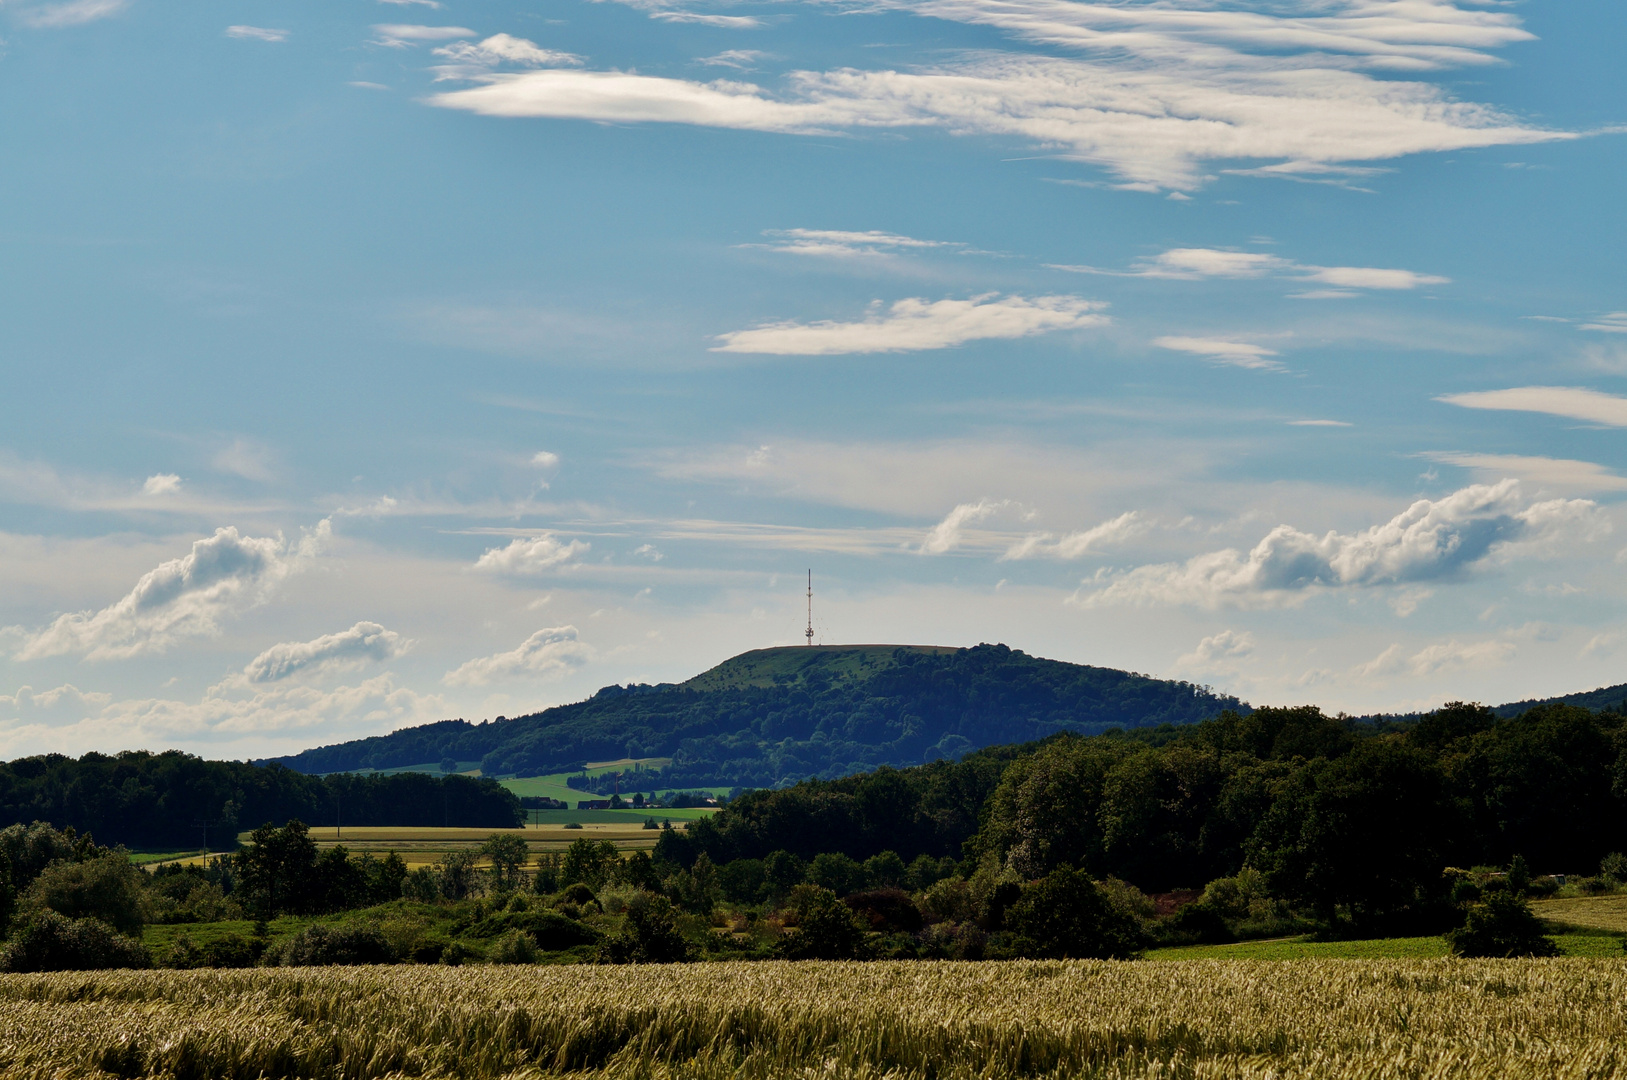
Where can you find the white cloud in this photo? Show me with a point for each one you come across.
(1560, 473)
(161, 484)
(71, 13)
(1613, 323)
(1191, 264)
(362, 643)
(256, 33)
(649, 552)
(182, 598)
(739, 59)
(1319, 423)
(471, 59)
(544, 459)
(914, 324)
(1242, 354)
(840, 244)
(551, 652)
(1154, 103)
(531, 556)
(1217, 649)
(727, 22)
(1075, 545)
(1454, 655)
(246, 458)
(1576, 403)
(1431, 540)
(945, 536)
(401, 35)
(433, 4)
(66, 700)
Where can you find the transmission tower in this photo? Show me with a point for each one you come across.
(809, 631)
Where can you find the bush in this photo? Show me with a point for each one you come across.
(888, 910)
(107, 888)
(322, 945)
(1501, 925)
(950, 900)
(549, 930)
(1614, 865)
(649, 935)
(514, 947)
(1065, 916)
(826, 929)
(50, 941)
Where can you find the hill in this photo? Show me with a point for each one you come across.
(771, 716)
(1613, 698)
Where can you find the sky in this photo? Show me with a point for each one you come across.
(373, 362)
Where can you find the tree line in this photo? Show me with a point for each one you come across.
(176, 801)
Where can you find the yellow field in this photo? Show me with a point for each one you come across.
(1596, 912)
(1328, 1019)
(421, 847)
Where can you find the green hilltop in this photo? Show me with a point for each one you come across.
(797, 664)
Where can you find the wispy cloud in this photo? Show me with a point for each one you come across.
(549, 653)
(945, 536)
(1165, 89)
(402, 35)
(1244, 354)
(1556, 473)
(1613, 323)
(727, 22)
(70, 13)
(915, 324)
(182, 598)
(1076, 545)
(471, 59)
(1194, 264)
(1431, 540)
(1218, 650)
(365, 642)
(161, 484)
(530, 556)
(739, 59)
(835, 243)
(1575, 403)
(256, 33)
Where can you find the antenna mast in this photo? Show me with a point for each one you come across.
(809, 631)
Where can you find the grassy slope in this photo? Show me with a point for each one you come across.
(768, 667)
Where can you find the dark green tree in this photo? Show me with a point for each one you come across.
(826, 928)
(649, 935)
(1064, 915)
(1501, 924)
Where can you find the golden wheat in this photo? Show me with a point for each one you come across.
(1196, 1019)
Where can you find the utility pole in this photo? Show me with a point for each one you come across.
(809, 631)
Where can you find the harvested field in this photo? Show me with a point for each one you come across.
(1595, 912)
(1324, 1019)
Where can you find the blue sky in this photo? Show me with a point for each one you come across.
(369, 363)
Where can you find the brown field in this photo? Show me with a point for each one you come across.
(1253, 1020)
(421, 847)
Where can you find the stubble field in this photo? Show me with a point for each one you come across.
(1312, 1018)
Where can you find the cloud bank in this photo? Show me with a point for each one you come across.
(1430, 540)
(362, 643)
(182, 598)
(915, 324)
(1162, 90)
(547, 653)
(529, 557)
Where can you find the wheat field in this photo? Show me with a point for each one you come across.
(1334, 1019)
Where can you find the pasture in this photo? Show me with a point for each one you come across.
(1323, 1019)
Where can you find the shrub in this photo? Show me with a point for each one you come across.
(888, 910)
(183, 954)
(50, 941)
(233, 951)
(514, 947)
(1064, 915)
(885, 871)
(649, 935)
(321, 945)
(1614, 865)
(1501, 925)
(549, 930)
(456, 953)
(826, 929)
(950, 900)
(107, 888)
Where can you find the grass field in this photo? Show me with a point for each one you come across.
(1322, 1019)
(1598, 912)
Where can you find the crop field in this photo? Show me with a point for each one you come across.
(1329, 1019)
(421, 847)
(1598, 912)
